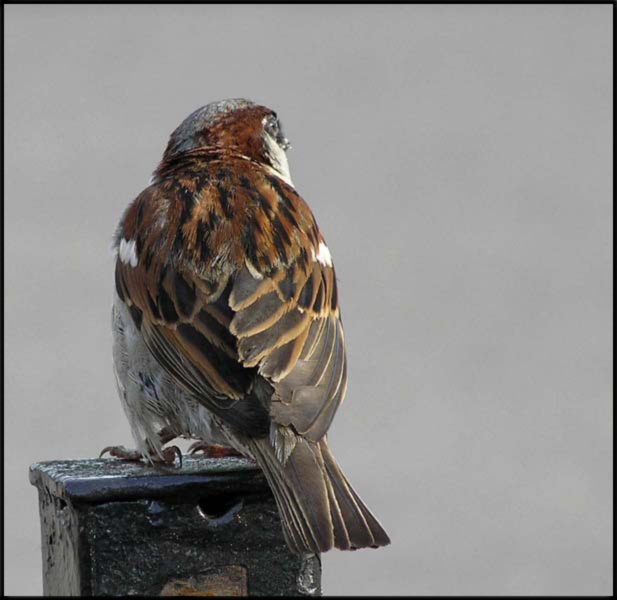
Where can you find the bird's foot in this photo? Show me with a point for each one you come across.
(212, 450)
(168, 456)
(121, 452)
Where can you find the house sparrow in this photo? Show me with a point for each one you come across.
(226, 320)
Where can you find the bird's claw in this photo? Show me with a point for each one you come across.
(171, 454)
(168, 455)
(211, 450)
(121, 452)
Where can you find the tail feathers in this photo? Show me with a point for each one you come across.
(345, 495)
(319, 508)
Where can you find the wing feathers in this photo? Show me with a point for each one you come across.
(222, 373)
(261, 315)
(282, 360)
(227, 292)
(216, 333)
(247, 289)
(253, 348)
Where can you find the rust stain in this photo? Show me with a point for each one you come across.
(229, 580)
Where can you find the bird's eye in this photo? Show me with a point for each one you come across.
(272, 126)
(274, 129)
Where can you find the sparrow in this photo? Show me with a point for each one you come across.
(226, 321)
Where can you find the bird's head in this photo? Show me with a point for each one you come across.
(238, 126)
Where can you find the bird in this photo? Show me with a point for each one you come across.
(226, 321)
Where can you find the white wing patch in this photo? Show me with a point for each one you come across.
(128, 252)
(323, 255)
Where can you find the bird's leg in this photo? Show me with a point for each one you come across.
(166, 435)
(169, 455)
(212, 450)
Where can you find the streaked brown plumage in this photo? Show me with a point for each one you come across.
(231, 290)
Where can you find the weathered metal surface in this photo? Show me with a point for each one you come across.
(209, 528)
(102, 479)
(59, 545)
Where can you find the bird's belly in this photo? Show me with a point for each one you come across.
(150, 397)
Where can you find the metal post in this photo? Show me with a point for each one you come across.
(209, 528)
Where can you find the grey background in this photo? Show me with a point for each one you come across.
(458, 160)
